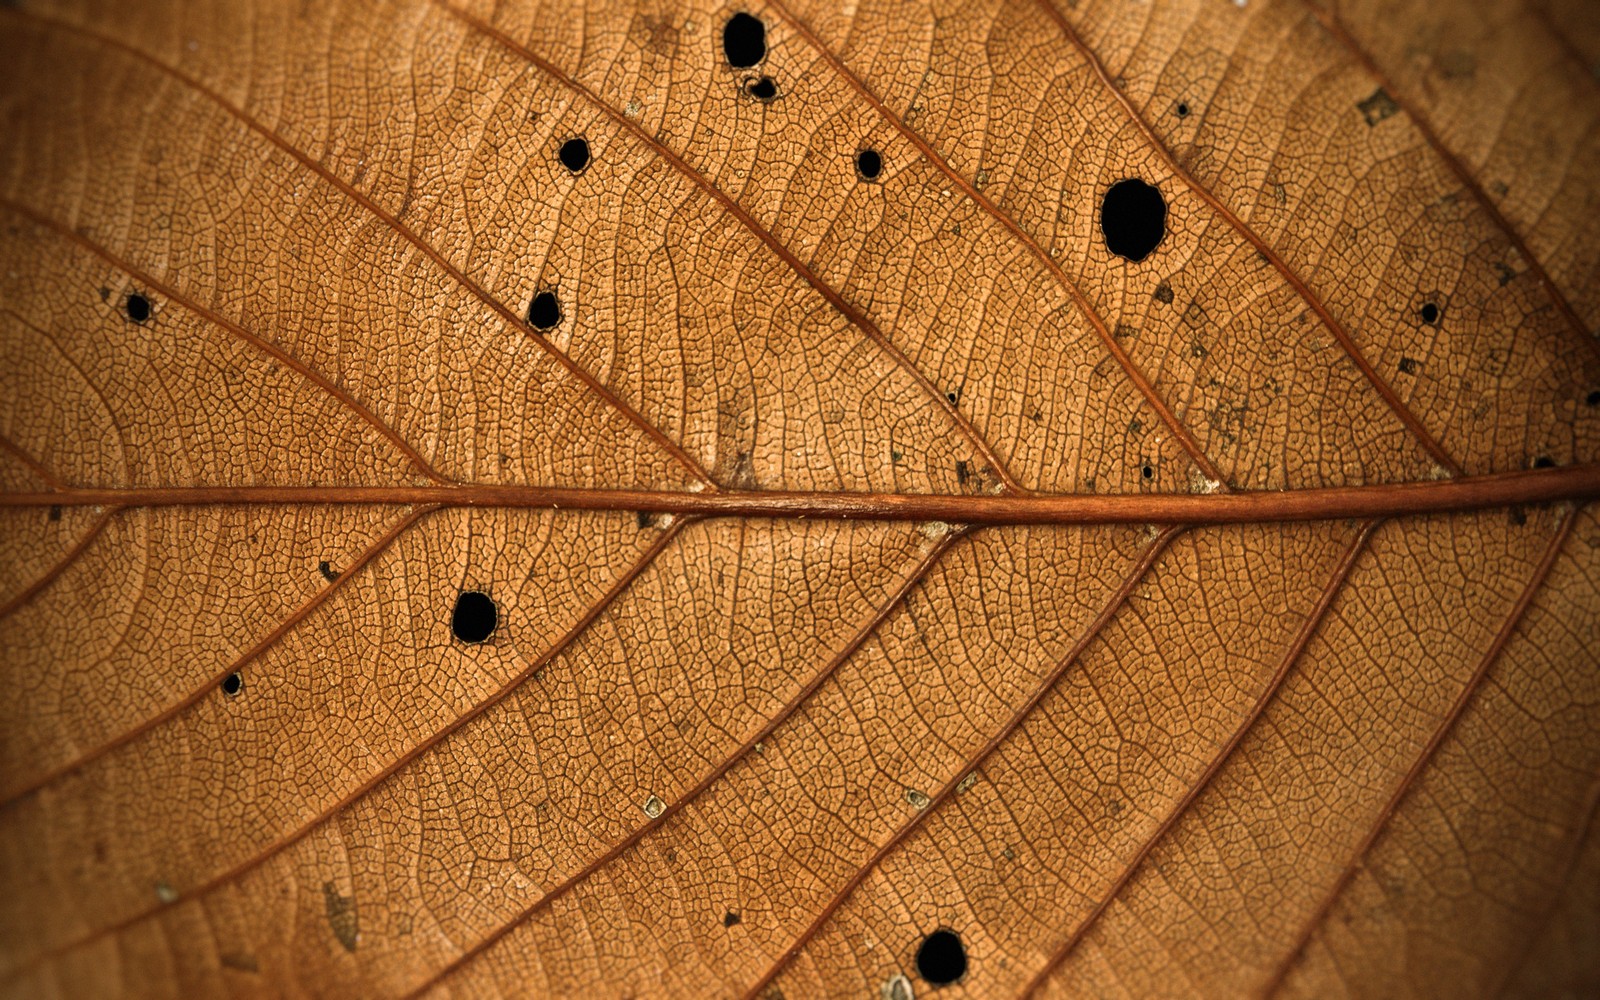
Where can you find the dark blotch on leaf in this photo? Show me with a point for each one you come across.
(869, 164)
(730, 918)
(1133, 217)
(1593, 399)
(544, 312)
(575, 154)
(744, 41)
(233, 684)
(942, 958)
(138, 307)
(475, 616)
(1544, 462)
(761, 88)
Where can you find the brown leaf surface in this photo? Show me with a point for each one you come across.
(870, 556)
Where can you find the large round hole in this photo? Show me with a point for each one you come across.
(744, 41)
(475, 616)
(138, 307)
(1133, 218)
(544, 312)
(575, 154)
(942, 958)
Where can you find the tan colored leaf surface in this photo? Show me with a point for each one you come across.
(871, 555)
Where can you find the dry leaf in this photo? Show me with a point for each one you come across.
(746, 501)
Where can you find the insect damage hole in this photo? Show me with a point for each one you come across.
(574, 154)
(744, 40)
(942, 958)
(137, 307)
(475, 616)
(762, 89)
(233, 684)
(1133, 217)
(869, 164)
(544, 312)
(1429, 312)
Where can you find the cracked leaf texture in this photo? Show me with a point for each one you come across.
(738, 756)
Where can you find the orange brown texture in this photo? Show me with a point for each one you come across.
(870, 554)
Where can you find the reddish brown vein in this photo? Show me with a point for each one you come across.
(210, 684)
(1113, 604)
(60, 565)
(1271, 255)
(1502, 489)
(1297, 646)
(283, 357)
(855, 316)
(1440, 734)
(767, 729)
(295, 836)
(1115, 349)
(400, 229)
(32, 464)
(1459, 168)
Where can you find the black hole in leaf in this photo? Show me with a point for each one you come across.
(1429, 312)
(1147, 472)
(744, 41)
(138, 307)
(761, 88)
(1593, 399)
(1544, 462)
(575, 154)
(233, 684)
(1133, 217)
(475, 616)
(544, 312)
(1183, 109)
(942, 958)
(869, 164)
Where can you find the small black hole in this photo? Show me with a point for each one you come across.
(1429, 312)
(1147, 472)
(1593, 399)
(953, 397)
(475, 616)
(1544, 462)
(942, 958)
(1183, 110)
(869, 164)
(575, 154)
(544, 312)
(138, 307)
(761, 88)
(233, 684)
(744, 41)
(1133, 217)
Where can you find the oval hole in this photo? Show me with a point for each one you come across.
(761, 88)
(138, 307)
(869, 164)
(233, 684)
(475, 616)
(1133, 217)
(544, 312)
